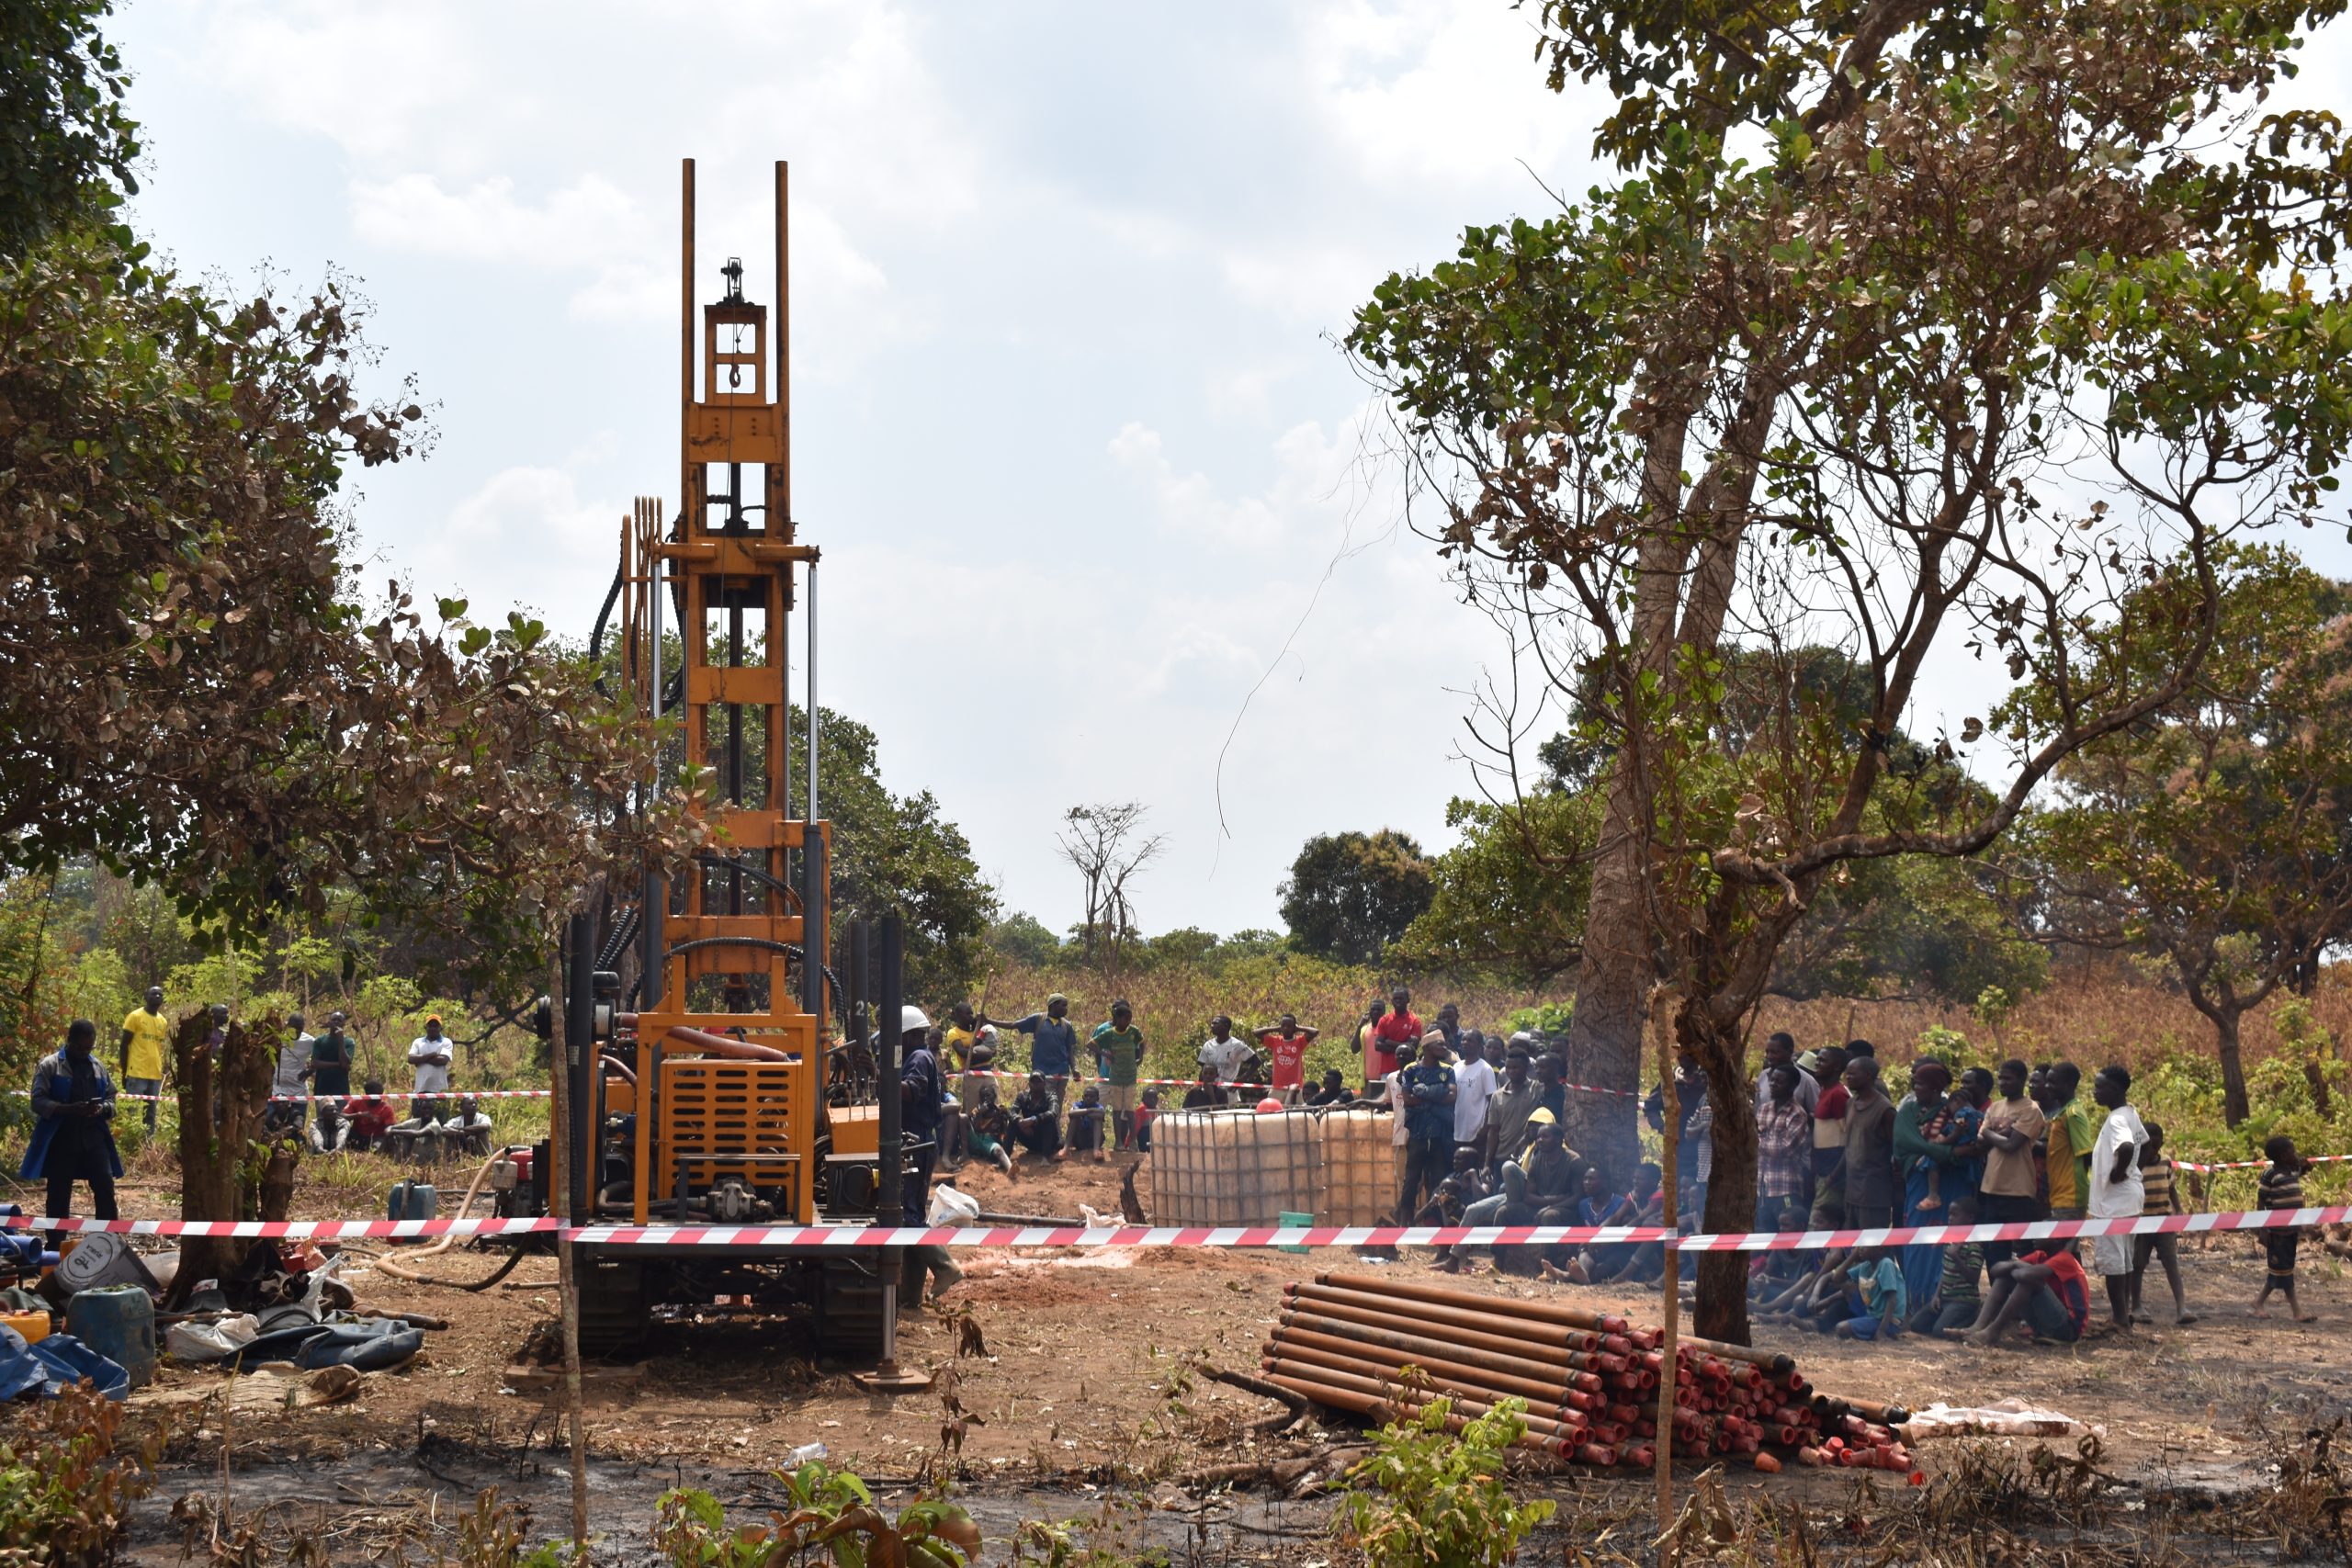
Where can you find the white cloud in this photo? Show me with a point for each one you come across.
(524, 537)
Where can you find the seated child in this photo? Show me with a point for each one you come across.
(1875, 1297)
(1034, 1126)
(1144, 1115)
(990, 1137)
(1333, 1090)
(371, 1116)
(1958, 1290)
(1086, 1123)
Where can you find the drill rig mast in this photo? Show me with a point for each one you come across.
(705, 1096)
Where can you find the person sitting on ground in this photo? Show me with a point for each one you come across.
(1829, 1301)
(2280, 1187)
(988, 1134)
(1036, 1126)
(2047, 1291)
(1875, 1290)
(371, 1116)
(1789, 1306)
(468, 1130)
(1539, 1189)
(1621, 1262)
(1205, 1093)
(1958, 1296)
(1465, 1185)
(1333, 1090)
(1146, 1112)
(2159, 1196)
(1776, 1269)
(2116, 1190)
(1086, 1123)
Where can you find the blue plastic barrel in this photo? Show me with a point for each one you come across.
(413, 1201)
(118, 1322)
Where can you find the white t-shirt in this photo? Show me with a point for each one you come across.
(432, 1078)
(292, 1057)
(1474, 1085)
(1225, 1057)
(2111, 1199)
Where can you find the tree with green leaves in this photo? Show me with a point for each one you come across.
(2217, 836)
(1883, 295)
(66, 148)
(1350, 895)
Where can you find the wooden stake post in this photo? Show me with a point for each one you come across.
(1670, 1301)
(560, 1061)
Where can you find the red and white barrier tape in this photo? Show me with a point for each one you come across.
(1196, 1083)
(1224, 1236)
(387, 1094)
(290, 1230)
(2034, 1230)
(2255, 1164)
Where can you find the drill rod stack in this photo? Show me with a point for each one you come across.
(1590, 1380)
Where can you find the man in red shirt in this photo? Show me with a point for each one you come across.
(1285, 1046)
(1395, 1032)
(2047, 1291)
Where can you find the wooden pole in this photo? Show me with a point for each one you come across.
(568, 1279)
(1670, 1300)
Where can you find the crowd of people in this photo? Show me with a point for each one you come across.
(1481, 1139)
(1480, 1131)
(73, 1100)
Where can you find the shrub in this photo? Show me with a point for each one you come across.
(1436, 1499)
(63, 1489)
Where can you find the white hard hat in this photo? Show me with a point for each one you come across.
(911, 1018)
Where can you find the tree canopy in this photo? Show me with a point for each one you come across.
(1923, 332)
(1350, 895)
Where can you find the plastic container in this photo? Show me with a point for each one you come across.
(1359, 1166)
(413, 1201)
(103, 1258)
(118, 1322)
(33, 1327)
(1227, 1167)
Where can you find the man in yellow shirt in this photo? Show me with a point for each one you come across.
(2072, 1133)
(145, 1030)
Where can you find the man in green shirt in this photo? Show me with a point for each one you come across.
(1118, 1056)
(2074, 1133)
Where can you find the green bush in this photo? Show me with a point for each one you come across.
(1428, 1498)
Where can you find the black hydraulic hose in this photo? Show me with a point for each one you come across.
(789, 949)
(596, 638)
(616, 943)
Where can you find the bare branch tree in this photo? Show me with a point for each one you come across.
(1106, 846)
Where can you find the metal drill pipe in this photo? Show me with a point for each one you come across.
(1318, 1386)
(1552, 1360)
(1390, 1311)
(1448, 1295)
(1475, 1368)
(1583, 1360)
(1475, 1402)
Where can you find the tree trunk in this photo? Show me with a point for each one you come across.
(216, 1181)
(1614, 984)
(2234, 1105)
(1722, 1310)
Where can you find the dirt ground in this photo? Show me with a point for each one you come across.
(1084, 1377)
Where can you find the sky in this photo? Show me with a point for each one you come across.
(1099, 497)
(1105, 514)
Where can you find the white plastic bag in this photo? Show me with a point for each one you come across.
(949, 1207)
(198, 1343)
